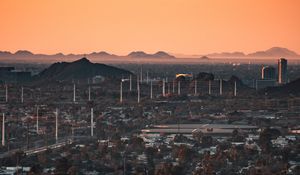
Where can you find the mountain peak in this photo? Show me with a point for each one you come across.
(141, 54)
(24, 53)
(275, 52)
(162, 54)
(101, 53)
(82, 60)
(80, 69)
(138, 54)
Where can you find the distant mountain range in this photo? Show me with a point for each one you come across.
(272, 52)
(24, 55)
(80, 69)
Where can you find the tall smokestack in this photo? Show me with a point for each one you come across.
(221, 86)
(195, 87)
(138, 89)
(163, 88)
(6, 93)
(121, 91)
(235, 89)
(173, 90)
(151, 90)
(209, 87)
(3, 129)
(74, 92)
(22, 95)
(178, 88)
(37, 119)
(147, 77)
(56, 125)
(92, 122)
(130, 82)
(141, 76)
(89, 93)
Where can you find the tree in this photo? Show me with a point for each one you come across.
(197, 135)
(265, 138)
(206, 141)
(36, 169)
(62, 166)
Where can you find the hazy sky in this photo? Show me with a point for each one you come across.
(121, 26)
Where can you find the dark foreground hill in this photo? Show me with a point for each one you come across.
(80, 69)
(292, 88)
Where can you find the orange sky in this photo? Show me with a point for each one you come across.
(176, 26)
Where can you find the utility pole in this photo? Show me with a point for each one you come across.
(173, 88)
(37, 119)
(130, 82)
(147, 78)
(27, 136)
(6, 93)
(209, 87)
(74, 93)
(178, 88)
(92, 122)
(89, 93)
(221, 86)
(163, 88)
(56, 125)
(151, 90)
(22, 95)
(138, 90)
(195, 87)
(3, 129)
(235, 89)
(121, 91)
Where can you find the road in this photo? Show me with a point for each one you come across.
(61, 142)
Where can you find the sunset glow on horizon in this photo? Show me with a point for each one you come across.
(122, 26)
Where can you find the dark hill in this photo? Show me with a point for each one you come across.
(289, 88)
(80, 69)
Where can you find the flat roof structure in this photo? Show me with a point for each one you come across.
(209, 129)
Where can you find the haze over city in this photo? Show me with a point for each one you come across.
(149, 87)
